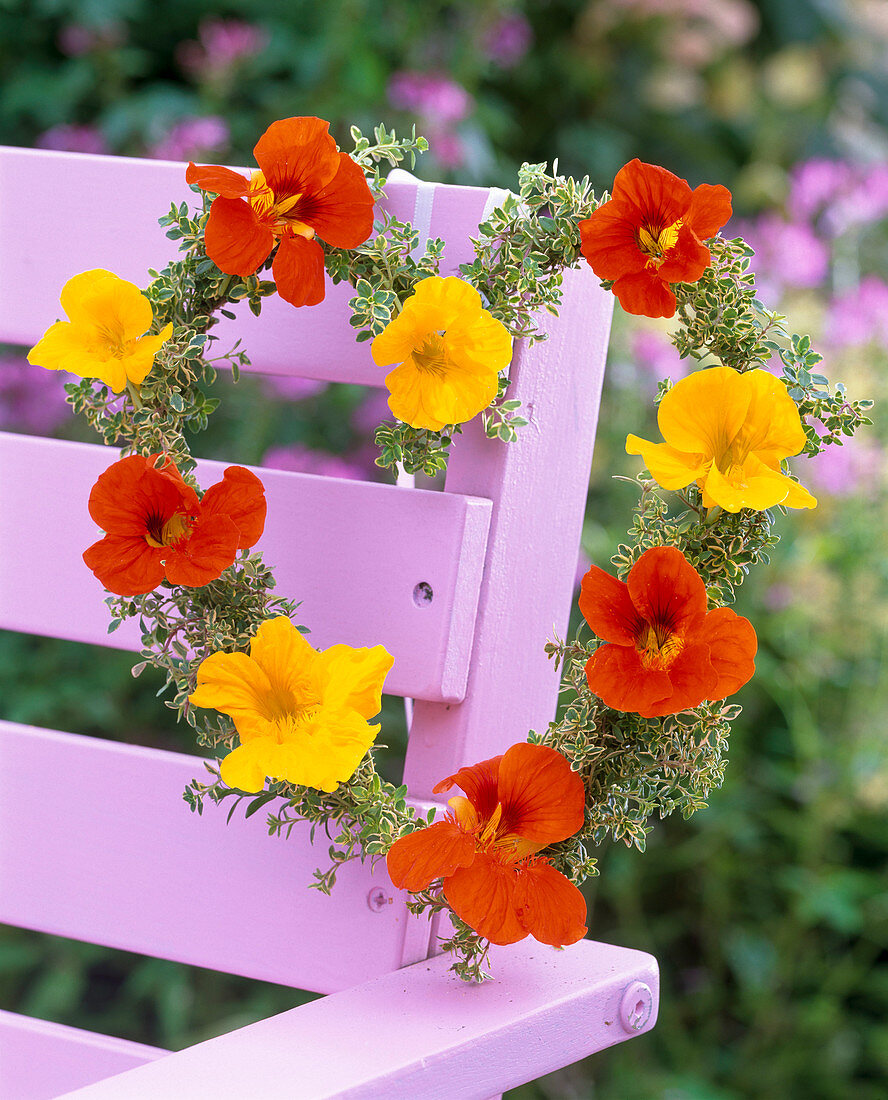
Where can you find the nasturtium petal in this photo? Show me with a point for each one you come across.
(670, 468)
(483, 895)
(605, 605)
(732, 646)
(416, 860)
(236, 240)
(693, 679)
(608, 243)
(703, 413)
(752, 485)
(209, 548)
(53, 346)
(244, 767)
(285, 656)
(772, 424)
(710, 208)
(356, 677)
(396, 341)
(297, 154)
(616, 675)
(221, 181)
(543, 799)
(298, 270)
(666, 589)
(411, 398)
(238, 686)
(325, 750)
(643, 294)
(123, 566)
(687, 259)
(241, 496)
(342, 212)
(479, 782)
(548, 904)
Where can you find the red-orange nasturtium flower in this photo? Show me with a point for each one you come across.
(155, 525)
(485, 848)
(665, 652)
(305, 188)
(649, 234)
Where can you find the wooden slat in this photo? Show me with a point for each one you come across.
(40, 1060)
(353, 552)
(114, 856)
(108, 208)
(420, 1032)
(538, 486)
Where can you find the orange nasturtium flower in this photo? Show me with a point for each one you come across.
(485, 848)
(665, 652)
(104, 338)
(157, 527)
(305, 188)
(728, 432)
(302, 715)
(649, 234)
(450, 351)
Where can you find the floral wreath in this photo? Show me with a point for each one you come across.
(646, 723)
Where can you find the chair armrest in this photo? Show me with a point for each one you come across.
(420, 1031)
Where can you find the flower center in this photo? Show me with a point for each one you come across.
(169, 533)
(431, 356)
(658, 646)
(656, 241)
(276, 213)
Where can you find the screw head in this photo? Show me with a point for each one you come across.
(636, 1006)
(378, 899)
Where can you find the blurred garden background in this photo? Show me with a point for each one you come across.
(769, 910)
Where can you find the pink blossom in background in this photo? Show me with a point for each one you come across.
(371, 413)
(73, 138)
(305, 460)
(814, 184)
(429, 95)
(508, 40)
(859, 315)
(862, 204)
(838, 195)
(193, 139)
(787, 254)
(292, 388)
(446, 146)
(75, 40)
(857, 466)
(222, 44)
(32, 400)
(657, 356)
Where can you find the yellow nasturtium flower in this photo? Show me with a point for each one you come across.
(728, 432)
(450, 352)
(301, 714)
(104, 337)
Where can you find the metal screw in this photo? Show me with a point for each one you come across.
(378, 899)
(636, 1006)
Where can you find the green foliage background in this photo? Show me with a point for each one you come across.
(769, 910)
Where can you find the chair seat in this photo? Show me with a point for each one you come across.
(419, 1032)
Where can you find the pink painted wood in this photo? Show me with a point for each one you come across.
(353, 552)
(42, 1059)
(120, 860)
(420, 1032)
(109, 208)
(538, 488)
(125, 863)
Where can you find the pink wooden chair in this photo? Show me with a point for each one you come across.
(114, 856)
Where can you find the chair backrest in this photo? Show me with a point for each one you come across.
(95, 841)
